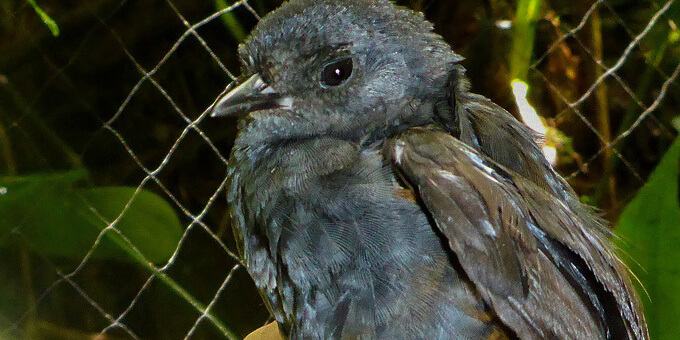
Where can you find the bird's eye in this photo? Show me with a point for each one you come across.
(336, 72)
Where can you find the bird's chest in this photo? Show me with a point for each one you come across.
(325, 233)
(320, 201)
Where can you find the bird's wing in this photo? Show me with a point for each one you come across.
(545, 268)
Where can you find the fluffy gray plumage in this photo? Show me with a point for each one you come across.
(372, 196)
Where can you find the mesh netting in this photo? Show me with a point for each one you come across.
(122, 230)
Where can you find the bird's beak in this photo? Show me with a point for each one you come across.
(251, 95)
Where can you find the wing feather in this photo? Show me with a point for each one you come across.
(545, 266)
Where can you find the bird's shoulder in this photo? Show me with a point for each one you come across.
(542, 262)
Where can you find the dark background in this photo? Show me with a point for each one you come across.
(113, 96)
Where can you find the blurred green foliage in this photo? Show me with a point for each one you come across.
(63, 220)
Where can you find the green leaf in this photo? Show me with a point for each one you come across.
(58, 219)
(149, 223)
(49, 22)
(649, 231)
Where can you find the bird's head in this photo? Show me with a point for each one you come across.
(351, 69)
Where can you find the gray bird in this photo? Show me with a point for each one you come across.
(373, 197)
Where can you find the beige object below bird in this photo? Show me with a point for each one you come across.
(267, 332)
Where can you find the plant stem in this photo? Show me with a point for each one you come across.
(523, 37)
(46, 19)
(230, 21)
(602, 109)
